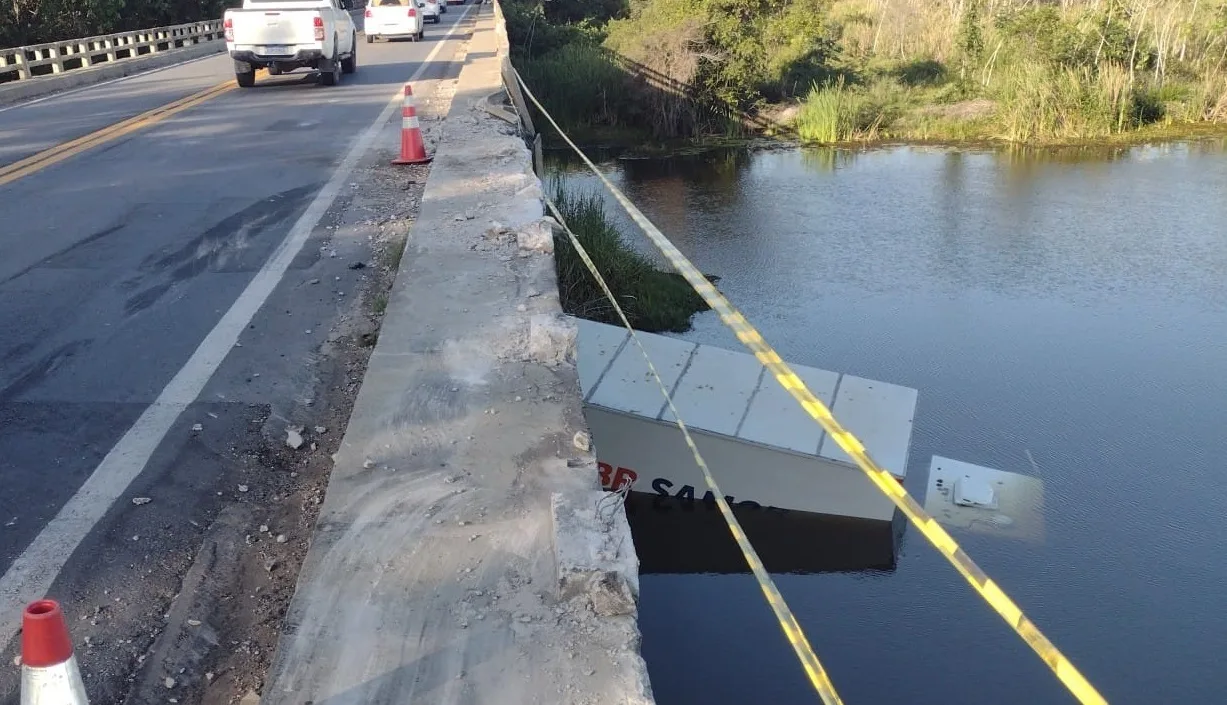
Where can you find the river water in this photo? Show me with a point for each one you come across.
(1067, 306)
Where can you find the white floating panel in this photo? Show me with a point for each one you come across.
(984, 500)
(628, 385)
(776, 419)
(761, 445)
(598, 344)
(880, 416)
(715, 390)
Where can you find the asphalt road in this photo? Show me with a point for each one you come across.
(117, 263)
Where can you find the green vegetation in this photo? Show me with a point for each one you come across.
(654, 301)
(25, 22)
(1032, 73)
(861, 70)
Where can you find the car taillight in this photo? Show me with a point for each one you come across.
(319, 29)
(369, 13)
(413, 12)
(228, 25)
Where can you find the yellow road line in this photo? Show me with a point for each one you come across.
(989, 591)
(67, 150)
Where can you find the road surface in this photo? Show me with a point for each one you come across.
(154, 325)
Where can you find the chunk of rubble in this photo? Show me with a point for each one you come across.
(537, 236)
(551, 338)
(293, 438)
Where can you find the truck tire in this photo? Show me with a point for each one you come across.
(245, 80)
(350, 63)
(330, 73)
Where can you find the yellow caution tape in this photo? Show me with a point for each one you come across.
(1061, 667)
(792, 630)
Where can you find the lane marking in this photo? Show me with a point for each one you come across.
(66, 150)
(121, 79)
(33, 572)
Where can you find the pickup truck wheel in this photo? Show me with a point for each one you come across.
(245, 80)
(330, 73)
(350, 64)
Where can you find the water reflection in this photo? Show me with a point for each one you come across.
(676, 536)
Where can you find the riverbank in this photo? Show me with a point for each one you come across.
(651, 71)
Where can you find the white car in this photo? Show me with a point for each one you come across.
(431, 9)
(390, 19)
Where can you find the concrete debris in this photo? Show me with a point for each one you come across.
(537, 236)
(293, 438)
(368, 463)
(582, 441)
(138, 501)
(611, 595)
(251, 698)
(197, 427)
(264, 528)
(169, 682)
(594, 554)
(358, 265)
(551, 338)
(242, 488)
(193, 622)
(281, 538)
(321, 430)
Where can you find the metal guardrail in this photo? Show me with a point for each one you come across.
(22, 63)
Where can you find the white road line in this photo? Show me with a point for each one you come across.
(31, 575)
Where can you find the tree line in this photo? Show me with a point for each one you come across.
(25, 22)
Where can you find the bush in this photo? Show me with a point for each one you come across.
(654, 301)
(921, 72)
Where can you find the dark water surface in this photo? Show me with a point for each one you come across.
(1069, 305)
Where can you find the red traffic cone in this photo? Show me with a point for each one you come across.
(412, 149)
(49, 671)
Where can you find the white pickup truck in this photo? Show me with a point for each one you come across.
(283, 35)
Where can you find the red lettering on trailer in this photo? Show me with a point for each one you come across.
(612, 479)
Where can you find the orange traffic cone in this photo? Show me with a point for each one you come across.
(49, 671)
(412, 149)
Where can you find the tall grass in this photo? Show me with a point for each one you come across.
(835, 113)
(579, 84)
(653, 300)
(1039, 102)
